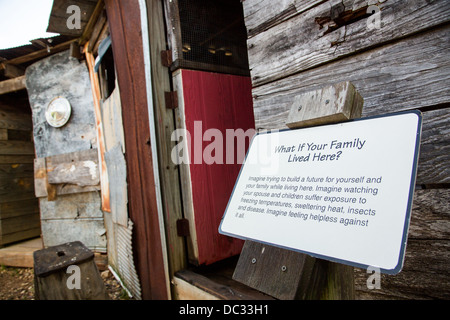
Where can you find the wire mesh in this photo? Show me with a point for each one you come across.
(213, 33)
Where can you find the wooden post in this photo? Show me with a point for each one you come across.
(286, 274)
(54, 280)
(124, 19)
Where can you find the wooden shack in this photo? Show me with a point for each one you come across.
(19, 208)
(157, 66)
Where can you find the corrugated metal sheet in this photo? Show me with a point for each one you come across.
(127, 271)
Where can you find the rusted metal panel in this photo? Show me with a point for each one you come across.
(74, 217)
(126, 266)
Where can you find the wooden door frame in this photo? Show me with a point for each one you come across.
(124, 18)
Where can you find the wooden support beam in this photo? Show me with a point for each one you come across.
(95, 85)
(91, 23)
(97, 30)
(12, 85)
(168, 171)
(15, 121)
(38, 54)
(12, 71)
(124, 24)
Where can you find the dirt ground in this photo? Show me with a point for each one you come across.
(17, 284)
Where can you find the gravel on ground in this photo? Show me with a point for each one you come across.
(18, 284)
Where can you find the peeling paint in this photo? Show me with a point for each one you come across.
(92, 169)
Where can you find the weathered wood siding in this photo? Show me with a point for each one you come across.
(74, 216)
(19, 209)
(400, 64)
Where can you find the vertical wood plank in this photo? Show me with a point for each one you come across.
(165, 125)
(125, 27)
(104, 182)
(280, 273)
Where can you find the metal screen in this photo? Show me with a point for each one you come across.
(213, 35)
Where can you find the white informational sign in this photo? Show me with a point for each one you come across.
(340, 192)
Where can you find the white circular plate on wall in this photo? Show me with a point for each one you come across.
(58, 112)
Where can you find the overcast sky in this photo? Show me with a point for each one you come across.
(23, 20)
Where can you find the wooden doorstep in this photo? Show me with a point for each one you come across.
(213, 282)
(20, 254)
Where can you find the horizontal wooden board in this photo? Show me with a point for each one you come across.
(19, 223)
(434, 158)
(346, 104)
(15, 121)
(18, 208)
(386, 86)
(20, 254)
(425, 274)
(184, 290)
(55, 173)
(16, 147)
(16, 170)
(20, 135)
(17, 196)
(426, 269)
(16, 159)
(398, 76)
(19, 236)
(430, 217)
(81, 173)
(12, 85)
(331, 31)
(11, 185)
(264, 14)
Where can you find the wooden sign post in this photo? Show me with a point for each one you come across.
(286, 274)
